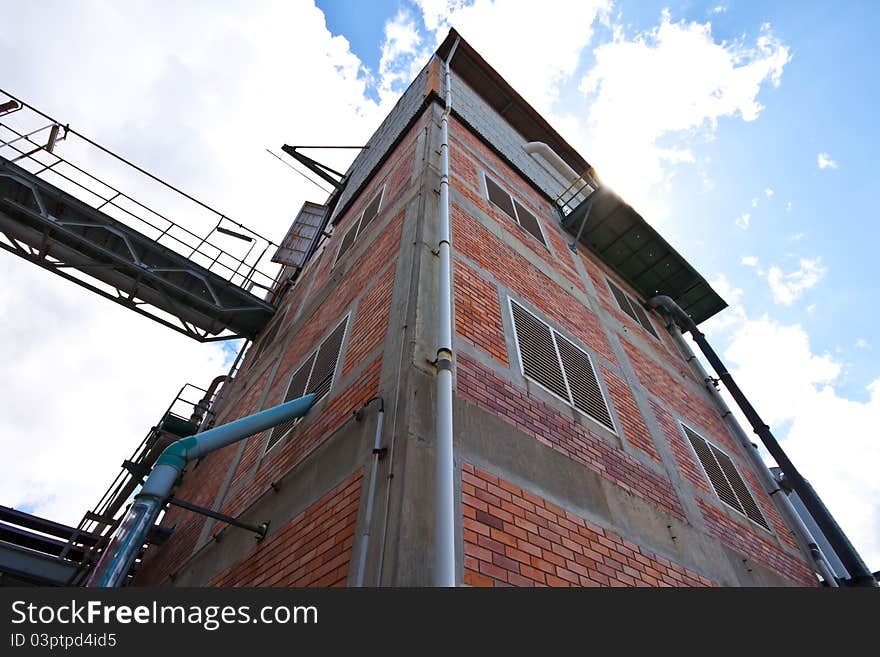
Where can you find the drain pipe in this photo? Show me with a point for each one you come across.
(444, 510)
(861, 576)
(130, 536)
(795, 522)
(371, 492)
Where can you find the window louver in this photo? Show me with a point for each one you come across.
(295, 390)
(325, 362)
(538, 355)
(583, 382)
(514, 209)
(369, 213)
(632, 308)
(725, 478)
(313, 376)
(558, 365)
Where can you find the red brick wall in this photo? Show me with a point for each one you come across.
(371, 322)
(688, 403)
(466, 153)
(743, 537)
(476, 243)
(313, 549)
(628, 414)
(515, 538)
(754, 546)
(477, 313)
(480, 386)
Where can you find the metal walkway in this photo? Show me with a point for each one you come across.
(57, 215)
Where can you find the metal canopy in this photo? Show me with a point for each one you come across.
(625, 242)
(50, 227)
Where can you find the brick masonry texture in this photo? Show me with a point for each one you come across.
(476, 243)
(752, 545)
(744, 537)
(480, 386)
(313, 549)
(634, 428)
(515, 538)
(371, 323)
(477, 313)
(466, 154)
(367, 328)
(688, 403)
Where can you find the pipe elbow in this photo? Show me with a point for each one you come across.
(668, 304)
(178, 453)
(540, 148)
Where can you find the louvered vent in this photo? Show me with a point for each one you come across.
(632, 308)
(313, 376)
(539, 359)
(325, 363)
(558, 365)
(514, 209)
(749, 505)
(725, 478)
(347, 241)
(583, 383)
(295, 390)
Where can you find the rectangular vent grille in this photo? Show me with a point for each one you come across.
(632, 308)
(315, 375)
(514, 209)
(366, 217)
(725, 478)
(558, 365)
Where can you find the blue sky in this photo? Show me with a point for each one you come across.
(712, 119)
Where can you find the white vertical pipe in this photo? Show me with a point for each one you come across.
(444, 509)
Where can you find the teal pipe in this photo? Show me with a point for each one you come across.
(131, 534)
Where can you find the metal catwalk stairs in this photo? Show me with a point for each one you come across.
(57, 215)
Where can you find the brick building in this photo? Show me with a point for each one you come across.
(587, 449)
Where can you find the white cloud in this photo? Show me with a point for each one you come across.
(861, 343)
(789, 206)
(754, 202)
(642, 121)
(535, 47)
(788, 288)
(403, 55)
(719, 9)
(824, 161)
(749, 261)
(769, 191)
(743, 220)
